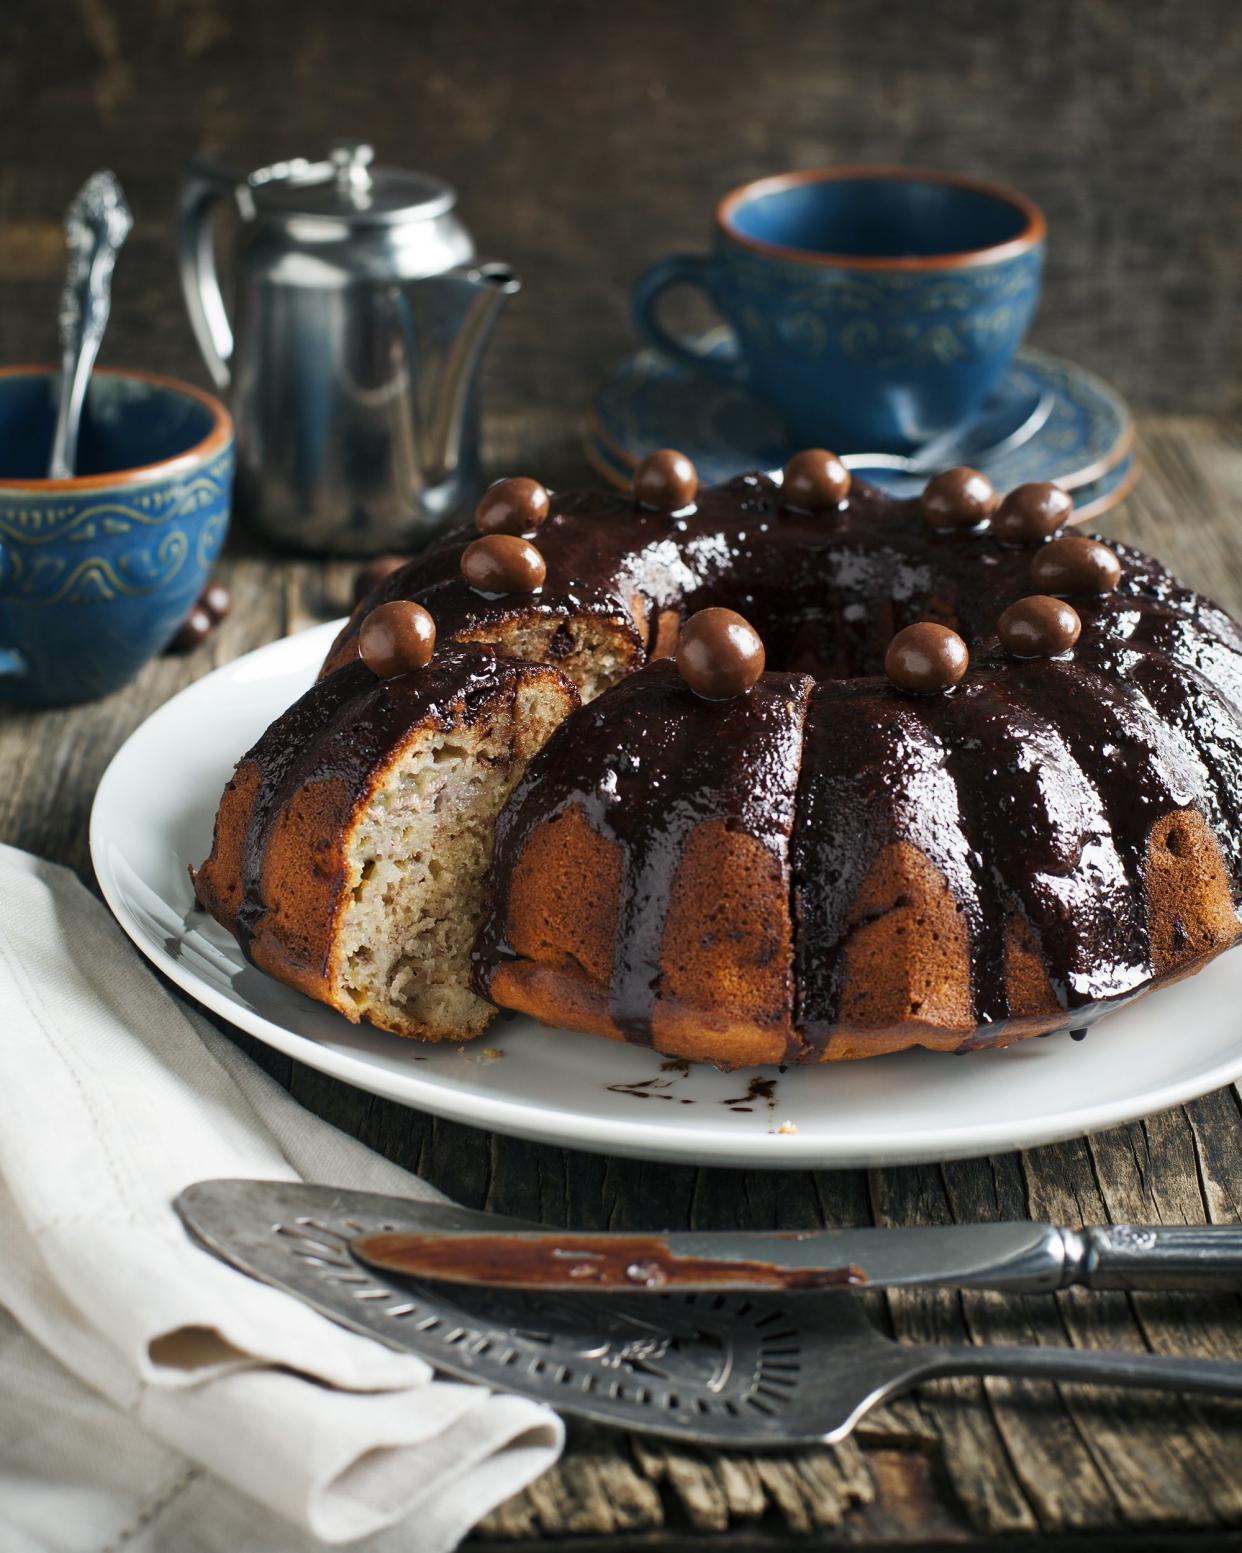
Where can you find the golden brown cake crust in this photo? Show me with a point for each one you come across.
(643, 867)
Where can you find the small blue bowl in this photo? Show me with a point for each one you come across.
(97, 572)
(873, 307)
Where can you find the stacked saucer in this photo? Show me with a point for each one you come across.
(1050, 419)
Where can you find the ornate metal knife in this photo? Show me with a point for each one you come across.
(1013, 1257)
(722, 1369)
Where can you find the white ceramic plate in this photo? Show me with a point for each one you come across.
(153, 816)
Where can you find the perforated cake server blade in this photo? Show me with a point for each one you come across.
(723, 1369)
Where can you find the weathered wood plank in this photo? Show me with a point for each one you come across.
(588, 141)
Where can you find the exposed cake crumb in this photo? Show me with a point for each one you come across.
(417, 863)
(786, 1129)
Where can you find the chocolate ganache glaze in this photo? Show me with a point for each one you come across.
(1033, 786)
(648, 763)
(801, 579)
(1037, 793)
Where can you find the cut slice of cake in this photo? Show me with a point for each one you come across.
(352, 843)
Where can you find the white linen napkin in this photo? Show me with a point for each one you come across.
(145, 1387)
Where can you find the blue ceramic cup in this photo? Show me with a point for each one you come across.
(873, 307)
(97, 572)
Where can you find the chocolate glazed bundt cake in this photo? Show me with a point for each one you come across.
(782, 771)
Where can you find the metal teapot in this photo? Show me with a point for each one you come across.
(360, 321)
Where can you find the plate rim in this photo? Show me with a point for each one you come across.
(582, 1130)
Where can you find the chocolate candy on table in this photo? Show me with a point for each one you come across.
(503, 563)
(959, 498)
(513, 506)
(1031, 513)
(397, 638)
(666, 481)
(193, 630)
(374, 572)
(216, 600)
(815, 481)
(213, 604)
(1038, 627)
(1075, 564)
(719, 654)
(926, 658)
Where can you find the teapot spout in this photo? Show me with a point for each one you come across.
(477, 292)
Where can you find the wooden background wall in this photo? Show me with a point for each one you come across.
(588, 139)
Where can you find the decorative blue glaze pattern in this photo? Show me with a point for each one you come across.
(872, 310)
(133, 547)
(95, 578)
(884, 319)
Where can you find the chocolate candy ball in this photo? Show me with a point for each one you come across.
(515, 506)
(719, 654)
(193, 630)
(503, 563)
(1075, 564)
(1030, 513)
(815, 481)
(958, 499)
(217, 601)
(1038, 627)
(214, 603)
(666, 480)
(397, 638)
(374, 572)
(926, 658)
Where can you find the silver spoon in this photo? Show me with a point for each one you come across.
(96, 225)
(955, 446)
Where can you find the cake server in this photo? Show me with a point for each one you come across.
(722, 1369)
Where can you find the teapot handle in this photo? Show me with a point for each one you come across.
(203, 187)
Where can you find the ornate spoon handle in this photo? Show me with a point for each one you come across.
(96, 224)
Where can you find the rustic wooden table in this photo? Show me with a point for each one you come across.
(960, 1464)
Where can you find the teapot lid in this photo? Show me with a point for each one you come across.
(346, 187)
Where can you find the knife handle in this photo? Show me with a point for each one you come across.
(1132, 1256)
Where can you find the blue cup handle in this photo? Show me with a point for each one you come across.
(11, 661)
(679, 269)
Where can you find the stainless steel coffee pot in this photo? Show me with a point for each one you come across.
(360, 321)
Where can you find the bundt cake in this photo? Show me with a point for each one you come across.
(781, 771)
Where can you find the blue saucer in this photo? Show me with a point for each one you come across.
(1091, 501)
(648, 402)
